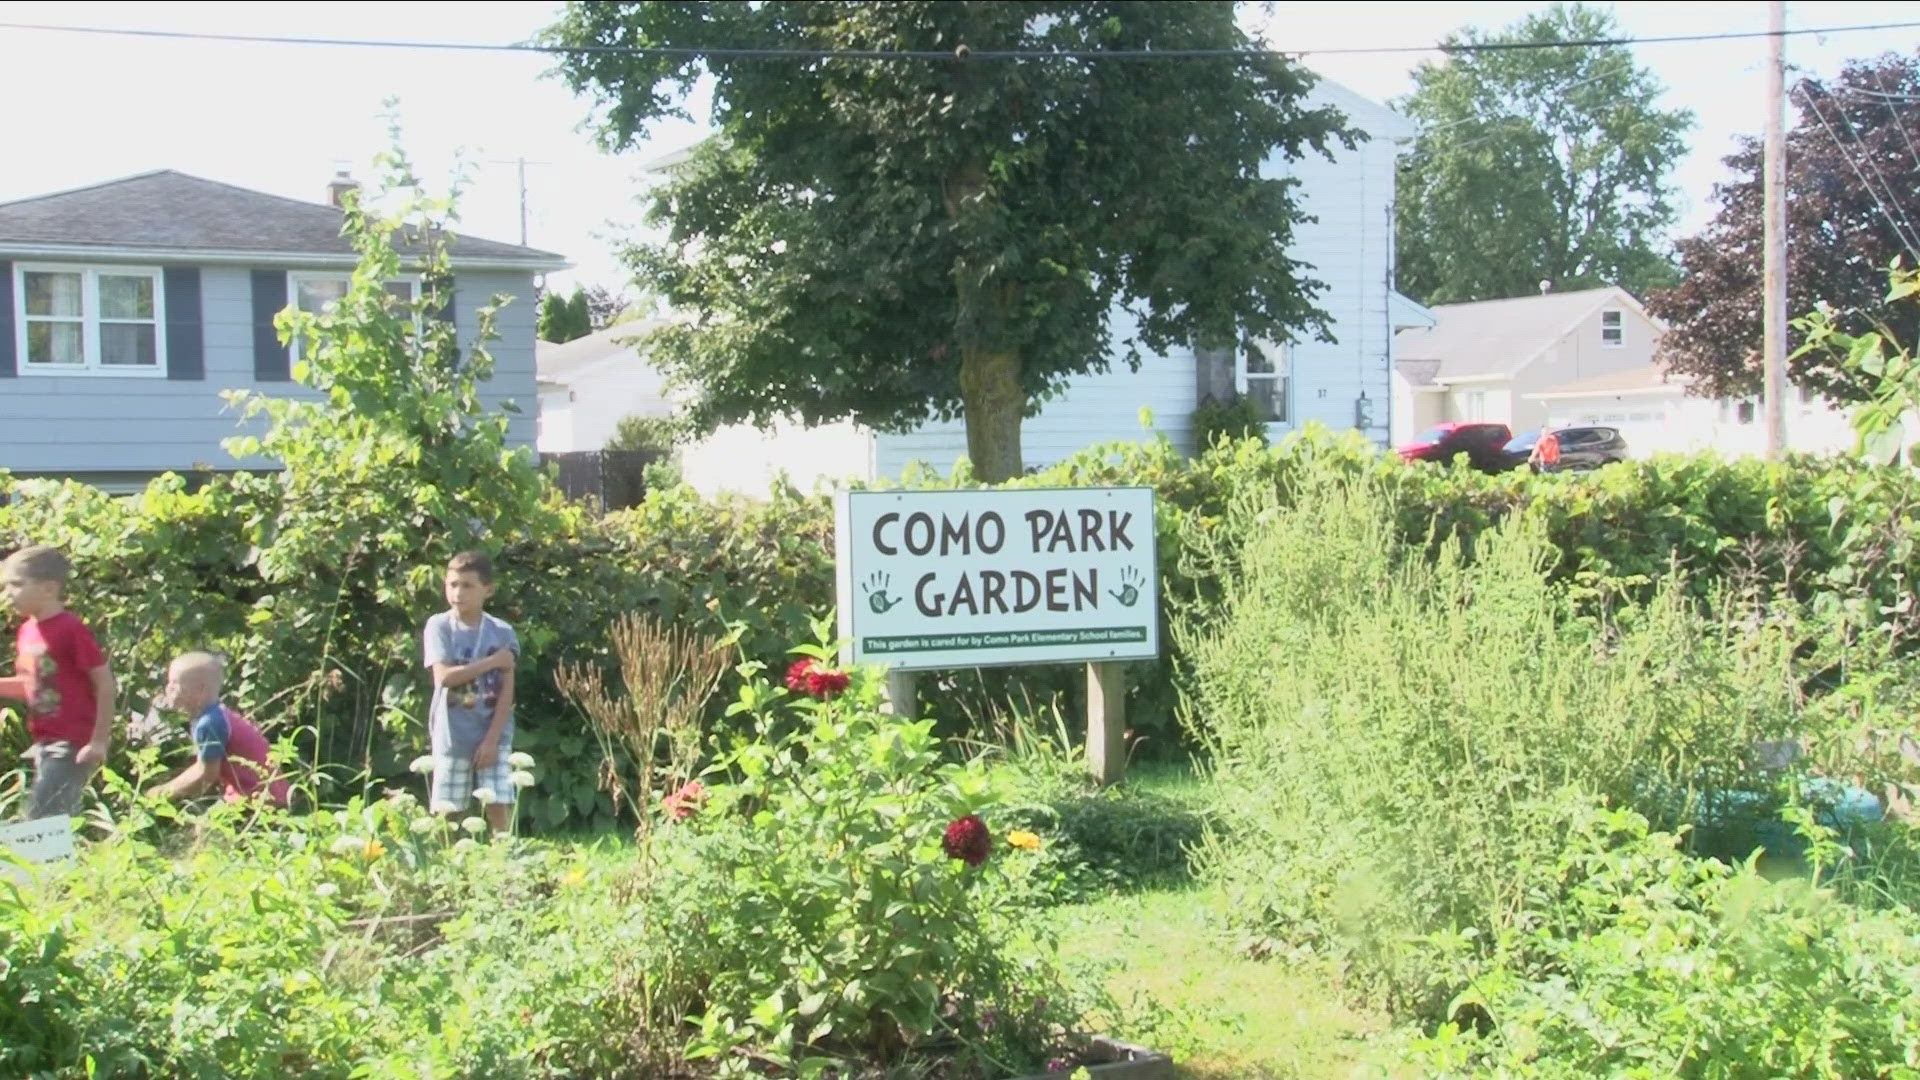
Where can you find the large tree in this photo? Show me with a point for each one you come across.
(1853, 206)
(1548, 163)
(900, 239)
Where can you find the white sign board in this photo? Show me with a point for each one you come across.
(41, 841)
(953, 579)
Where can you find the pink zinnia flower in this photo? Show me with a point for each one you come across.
(683, 803)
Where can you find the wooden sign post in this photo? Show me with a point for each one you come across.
(932, 580)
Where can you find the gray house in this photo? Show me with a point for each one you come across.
(127, 307)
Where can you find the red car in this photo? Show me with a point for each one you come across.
(1484, 444)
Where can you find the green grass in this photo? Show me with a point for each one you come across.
(1178, 987)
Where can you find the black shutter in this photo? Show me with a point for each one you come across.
(186, 340)
(8, 364)
(270, 358)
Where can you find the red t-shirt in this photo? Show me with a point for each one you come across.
(57, 656)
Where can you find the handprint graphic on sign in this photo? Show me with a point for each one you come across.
(1129, 592)
(876, 587)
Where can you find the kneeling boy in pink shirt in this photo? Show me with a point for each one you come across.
(229, 752)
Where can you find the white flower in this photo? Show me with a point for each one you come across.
(422, 825)
(466, 843)
(485, 796)
(422, 764)
(474, 825)
(402, 800)
(326, 888)
(520, 760)
(348, 845)
(522, 779)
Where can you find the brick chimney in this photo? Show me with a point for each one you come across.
(338, 187)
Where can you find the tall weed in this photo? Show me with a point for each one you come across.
(1386, 717)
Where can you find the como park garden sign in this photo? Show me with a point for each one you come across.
(931, 580)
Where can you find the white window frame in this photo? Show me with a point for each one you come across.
(1618, 330)
(413, 282)
(90, 366)
(1282, 358)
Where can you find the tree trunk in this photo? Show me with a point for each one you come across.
(990, 390)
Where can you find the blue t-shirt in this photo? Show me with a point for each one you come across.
(460, 715)
(210, 734)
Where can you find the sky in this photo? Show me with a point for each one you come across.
(284, 118)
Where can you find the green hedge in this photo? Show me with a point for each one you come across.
(337, 652)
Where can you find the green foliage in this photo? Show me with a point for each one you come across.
(806, 914)
(658, 434)
(1876, 359)
(173, 569)
(813, 892)
(1231, 421)
(1401, 795)
(565, 318)
(1537, 164)
(996, 211)
(393, 468)
(1652, 963)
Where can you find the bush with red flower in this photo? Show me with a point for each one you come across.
(837, 892)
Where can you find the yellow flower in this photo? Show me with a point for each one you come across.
(373, 850)
(1023, 840)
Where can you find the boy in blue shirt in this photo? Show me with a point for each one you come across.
(470, 721)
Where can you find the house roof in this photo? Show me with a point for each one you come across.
(164, 212)
(1496, 338)
(1646, 379)
(562, 363)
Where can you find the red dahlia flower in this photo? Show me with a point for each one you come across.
(966, 839)
(824, 684)
(806, 676)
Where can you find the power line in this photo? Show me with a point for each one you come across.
(719, 52)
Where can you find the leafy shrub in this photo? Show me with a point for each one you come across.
(39, 985)
(1229, 421)
(655, 434)
(1635, 959)
(819, 894)
(1384, 719)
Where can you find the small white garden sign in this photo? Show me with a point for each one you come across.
(46, 840)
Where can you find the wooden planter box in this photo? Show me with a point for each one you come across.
(1120, 1061)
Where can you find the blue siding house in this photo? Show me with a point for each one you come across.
(127, 307)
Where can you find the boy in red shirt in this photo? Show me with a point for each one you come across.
(64, 679)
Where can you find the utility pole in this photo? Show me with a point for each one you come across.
(520, 165)
(1773, 315)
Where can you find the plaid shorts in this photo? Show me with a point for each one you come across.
(455, 780)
